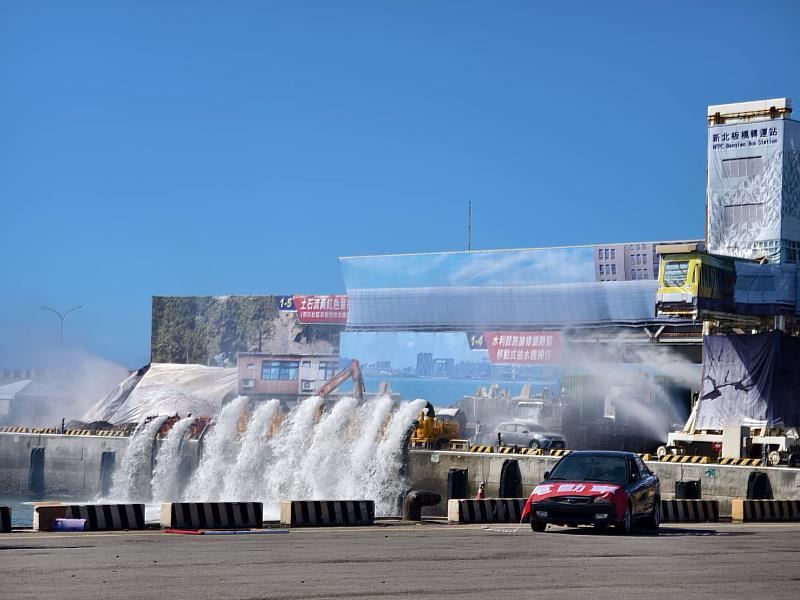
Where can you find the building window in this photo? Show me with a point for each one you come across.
(606, 253)
(742, 167)
(744, 213)
(600, 254)
(248, 383)
(613, 254)
(601, 270)
(327, 370)
(613, 269)
(279, 370)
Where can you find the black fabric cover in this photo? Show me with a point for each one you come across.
(688, 490)
(759, 487)
(510, 480)
(457, 480)
(750, 377)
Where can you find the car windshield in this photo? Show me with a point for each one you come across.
(608, 469)
(528, 411)
(675, 273)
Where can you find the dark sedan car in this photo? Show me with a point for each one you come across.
(596, 488)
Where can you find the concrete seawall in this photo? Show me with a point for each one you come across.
(70, 466)
(428, 470)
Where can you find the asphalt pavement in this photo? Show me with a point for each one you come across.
(422, 561)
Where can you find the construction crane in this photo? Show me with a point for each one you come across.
(352, 372)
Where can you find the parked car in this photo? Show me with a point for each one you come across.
(527, 435)
(599, 488)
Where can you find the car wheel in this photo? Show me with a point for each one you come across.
(539, 526)
(654, 520)
(624, 526)
(534, 445)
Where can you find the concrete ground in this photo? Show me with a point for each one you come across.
(422, 561)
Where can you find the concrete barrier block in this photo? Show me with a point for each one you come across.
(99, 517)
(44, 514)
(5, 519)
(108, 517)
(212, 515)
(765, 510)
(689, 511)
(327, 513)
(488, 510)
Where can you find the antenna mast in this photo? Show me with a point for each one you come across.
(469, 226)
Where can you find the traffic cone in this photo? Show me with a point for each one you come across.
(481, 495)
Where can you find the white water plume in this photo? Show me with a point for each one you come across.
(374, 417)
(166, 484)
(133, 474)
(246, 478)
(220, 450)
(287, 449)
(382, 481)
(328, 458)
(349, 451)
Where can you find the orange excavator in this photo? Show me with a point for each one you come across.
(352, 372)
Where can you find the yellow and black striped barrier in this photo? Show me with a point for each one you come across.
(689, 511)
(15, 429)
(741, 462)
(515, 450)
(765, 510)
(679, 458)
(520, 450)
(57, 431)
(487, 510)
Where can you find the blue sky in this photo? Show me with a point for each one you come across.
(155, 148)
(494, 267)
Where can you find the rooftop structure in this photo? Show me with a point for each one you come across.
(753, 195)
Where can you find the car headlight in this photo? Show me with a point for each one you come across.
(604, 499)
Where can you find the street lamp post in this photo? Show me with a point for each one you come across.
(61, 317)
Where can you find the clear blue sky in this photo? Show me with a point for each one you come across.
(240, 147)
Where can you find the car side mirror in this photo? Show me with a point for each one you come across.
(547, 474)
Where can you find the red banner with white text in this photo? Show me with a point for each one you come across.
(330, 309)
(523, 347)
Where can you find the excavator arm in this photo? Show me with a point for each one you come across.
(354, 372)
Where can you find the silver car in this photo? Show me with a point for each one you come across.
(527, 435)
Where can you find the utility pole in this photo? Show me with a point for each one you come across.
(469, 225)
(61, 317)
